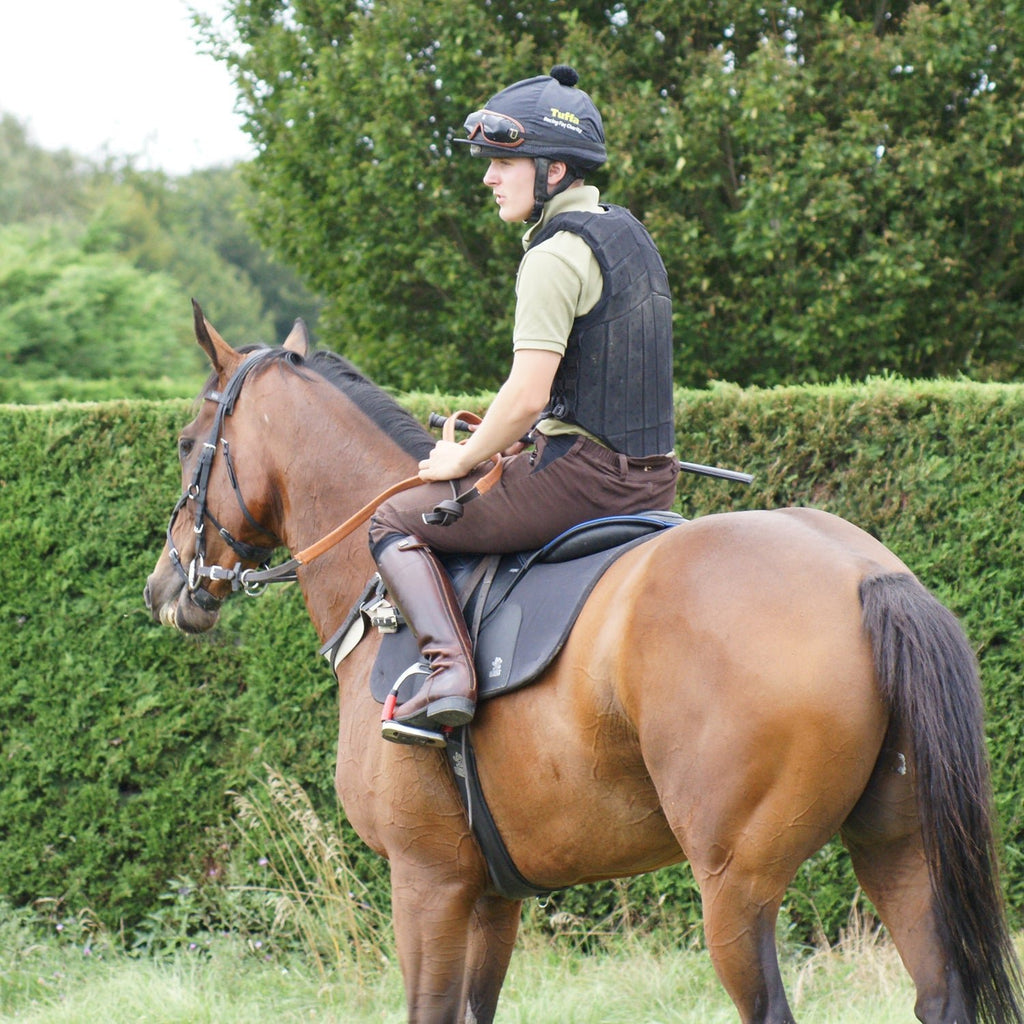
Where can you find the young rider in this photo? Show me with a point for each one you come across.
(591, 376)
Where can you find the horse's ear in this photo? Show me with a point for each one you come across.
(224, 358)
(298, 338)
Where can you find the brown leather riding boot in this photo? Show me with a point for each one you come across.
(423, 591)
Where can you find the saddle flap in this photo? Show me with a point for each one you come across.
(496, 647)
(532, 602)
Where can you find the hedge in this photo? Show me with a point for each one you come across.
(120, 738)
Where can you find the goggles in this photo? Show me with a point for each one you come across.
(496, 129)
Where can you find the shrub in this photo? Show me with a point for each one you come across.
(122, 739)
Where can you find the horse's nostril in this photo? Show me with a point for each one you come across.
(147, 596)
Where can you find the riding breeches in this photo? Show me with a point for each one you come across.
(566, 480)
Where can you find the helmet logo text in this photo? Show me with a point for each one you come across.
(564, 115)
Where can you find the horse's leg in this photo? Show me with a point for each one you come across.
(740, 910)
(454, 946)
(492, 937)
(883, 835)
(431, 914)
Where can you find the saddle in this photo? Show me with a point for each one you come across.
(519, 608)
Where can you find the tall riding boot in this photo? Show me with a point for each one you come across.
(423, 591)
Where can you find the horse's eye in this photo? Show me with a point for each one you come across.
(185, 446)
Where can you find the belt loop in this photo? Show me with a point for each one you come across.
(623, 466)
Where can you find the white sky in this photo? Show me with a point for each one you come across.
(120, 78)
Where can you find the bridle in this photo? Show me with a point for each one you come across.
(197, 492)
(254, 581)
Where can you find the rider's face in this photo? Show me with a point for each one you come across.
(511, 181)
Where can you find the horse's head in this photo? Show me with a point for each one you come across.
(222, 524)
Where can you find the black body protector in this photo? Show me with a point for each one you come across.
(625, 339)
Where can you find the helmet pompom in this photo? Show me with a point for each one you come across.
(564, 75)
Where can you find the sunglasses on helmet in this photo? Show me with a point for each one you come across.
(497, 129)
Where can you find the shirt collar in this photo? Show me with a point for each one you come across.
(585, 198)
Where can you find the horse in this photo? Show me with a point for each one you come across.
(736, 691)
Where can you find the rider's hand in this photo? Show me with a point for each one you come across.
(446, 462)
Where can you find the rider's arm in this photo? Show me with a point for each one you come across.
(515, 409)
(557, 281)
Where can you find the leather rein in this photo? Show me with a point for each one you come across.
(254, 581)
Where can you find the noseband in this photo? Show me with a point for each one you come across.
(196, 492)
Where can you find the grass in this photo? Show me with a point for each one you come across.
(635, 981)
(308, 946)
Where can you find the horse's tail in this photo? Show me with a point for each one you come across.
(929, 677)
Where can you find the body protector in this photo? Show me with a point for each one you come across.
(615, 379)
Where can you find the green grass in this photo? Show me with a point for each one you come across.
(307, 946)
(637, 981)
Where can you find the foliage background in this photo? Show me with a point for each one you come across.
(837, 188)
(97, 264)
(119, 739)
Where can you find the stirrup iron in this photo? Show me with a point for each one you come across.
(401, 732)
(411, 735)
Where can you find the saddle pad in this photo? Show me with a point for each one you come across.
(529, 598)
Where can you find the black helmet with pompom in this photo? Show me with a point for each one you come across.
(545, 116)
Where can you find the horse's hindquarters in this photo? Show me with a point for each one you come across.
(716, 698)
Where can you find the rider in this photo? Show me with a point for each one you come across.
(591, 376)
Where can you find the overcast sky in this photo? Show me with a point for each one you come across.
(119, 78)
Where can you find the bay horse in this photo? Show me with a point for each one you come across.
(735, 692)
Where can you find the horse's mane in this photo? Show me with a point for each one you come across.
(399, 424)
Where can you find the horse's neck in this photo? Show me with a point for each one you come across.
(351, 462)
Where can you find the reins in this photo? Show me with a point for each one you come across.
(254, 581)
(250, 578)
(482, 486)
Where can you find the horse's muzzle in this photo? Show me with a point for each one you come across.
(170, 603)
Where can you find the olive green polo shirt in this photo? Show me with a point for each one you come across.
(558, 280)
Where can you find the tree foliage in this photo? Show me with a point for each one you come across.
(837, 187)
(97, 264)
(85, 315)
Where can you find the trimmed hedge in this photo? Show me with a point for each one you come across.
(120, 738)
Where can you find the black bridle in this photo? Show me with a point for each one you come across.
(196, 492)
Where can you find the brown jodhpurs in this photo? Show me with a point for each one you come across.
(567, 480)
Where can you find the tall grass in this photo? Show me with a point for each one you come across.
(636, 980)
(327, 954)
(317, 896)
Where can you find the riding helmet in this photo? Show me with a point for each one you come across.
(546, 118)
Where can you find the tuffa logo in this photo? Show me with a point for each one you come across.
(564, 115)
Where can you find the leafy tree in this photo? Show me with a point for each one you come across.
(99, 262)
(207, 245)
(837, 187)
(131, 220)
(86, 315)
(34, 183)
